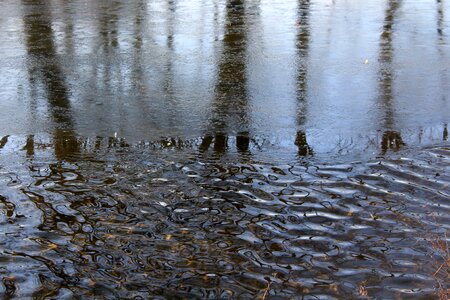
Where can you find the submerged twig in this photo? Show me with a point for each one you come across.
(266, 291)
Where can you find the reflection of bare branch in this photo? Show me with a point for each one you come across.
(220, 143)
(386, 53)
(391, 139)
(440, 19)
(138, 24)
(230, 104)
(445, 133)
(168, 78)
(69, 28)
(108, 25)
(29, 145)
(303, 38)
(303, 148)
(40, 45)
(242, 141)
(206, 142)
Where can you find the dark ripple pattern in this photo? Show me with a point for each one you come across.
(122, 223)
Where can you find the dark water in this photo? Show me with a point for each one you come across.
(115, 221)
(224, 149)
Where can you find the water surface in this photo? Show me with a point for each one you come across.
(224, 149)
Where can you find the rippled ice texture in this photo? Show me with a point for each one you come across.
(113, 220)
